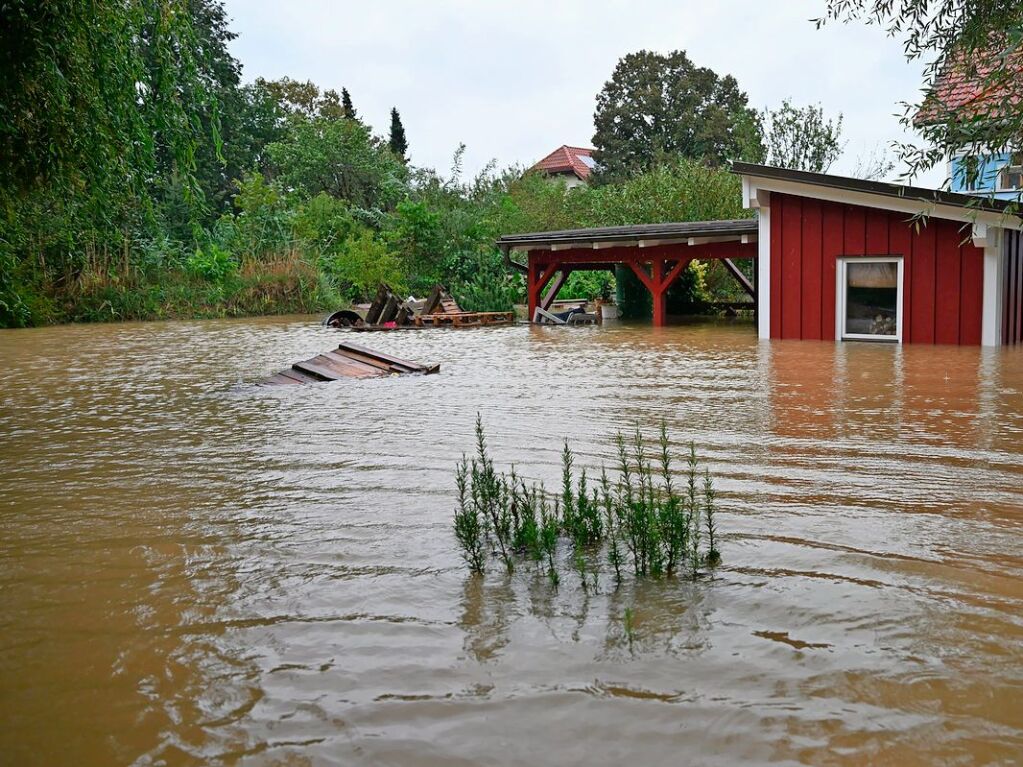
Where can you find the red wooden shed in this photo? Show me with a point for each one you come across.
(850, 259)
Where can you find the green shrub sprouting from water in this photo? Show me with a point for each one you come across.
(644, 517)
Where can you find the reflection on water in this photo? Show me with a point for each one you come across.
(197, 569)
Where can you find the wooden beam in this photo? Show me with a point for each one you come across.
(620, 254)
(537, 281)
(741, 278)
(643, 277)
(676, 270)
(556, 285)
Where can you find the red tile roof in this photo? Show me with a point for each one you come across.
(963, 91)
(567, 159)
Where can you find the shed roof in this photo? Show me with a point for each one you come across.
(880, 188)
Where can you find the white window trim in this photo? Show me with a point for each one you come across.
(840, 298)
(1004, 170)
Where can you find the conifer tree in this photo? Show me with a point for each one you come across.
(347, 110)
(397, 140)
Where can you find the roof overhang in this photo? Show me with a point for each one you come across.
(759, 181)
(641, 236)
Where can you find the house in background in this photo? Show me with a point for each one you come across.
(571, 164)
(959, 93)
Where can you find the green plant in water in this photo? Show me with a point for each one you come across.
(488, 493)
(713, 555)
(693, 525)
(640, 517)
(468, 526)
(629, 624)
(549, 528)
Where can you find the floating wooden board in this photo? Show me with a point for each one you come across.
(347, 361)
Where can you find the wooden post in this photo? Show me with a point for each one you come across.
(537, 281)
(658, 282)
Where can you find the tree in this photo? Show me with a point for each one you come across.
(802, 139)
(347, 110)
(873, 165)
(341, 158)
(302, 99)
(660, 106)
(397, 141)
(978, 40)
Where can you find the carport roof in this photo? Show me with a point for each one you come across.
(731, 229)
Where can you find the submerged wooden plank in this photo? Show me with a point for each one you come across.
(383, 367)
(347, 361)
(316, 370)
(280, 379)
(362, 350)
(356, 366)
(342, 368)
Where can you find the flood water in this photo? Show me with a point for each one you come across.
(195, 570)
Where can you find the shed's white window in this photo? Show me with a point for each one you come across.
(869, 293)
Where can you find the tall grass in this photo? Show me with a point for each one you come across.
(645, 518)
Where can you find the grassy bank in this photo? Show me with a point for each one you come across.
(288, 286)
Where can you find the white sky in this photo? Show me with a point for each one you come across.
(515, 80)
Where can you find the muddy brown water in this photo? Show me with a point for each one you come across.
(196, 570)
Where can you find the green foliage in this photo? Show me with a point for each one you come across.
(262, 226)
(678, 190)
(340, 158)
(14, 311)
(362, 262)
(983, 40)
(643, 517)
(802, 139)
(415, 232)
(469, 528)
(489, 289)
(212, 264)
(292, 98)
(396, 140)
(589, 285)
(140, 179)
(658, 106)
(347, 110)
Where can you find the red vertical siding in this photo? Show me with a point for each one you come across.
(832, 239)
(942, 274)
(877, 228)
(810, 319)
(923, 286)
(777, 294)
(971, 292)
(791, 268)
(946, 291)
(900, 243)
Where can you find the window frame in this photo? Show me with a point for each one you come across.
(841, 298)
(1013, 167)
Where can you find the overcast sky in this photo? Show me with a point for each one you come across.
(515, 80)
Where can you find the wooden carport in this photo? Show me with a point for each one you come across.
(656, 253)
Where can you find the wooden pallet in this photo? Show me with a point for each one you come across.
(464, 319)
(347, 361)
